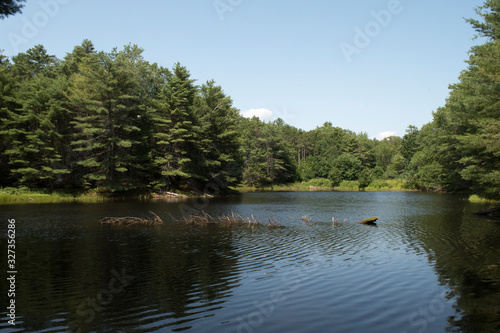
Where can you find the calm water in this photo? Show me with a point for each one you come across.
(429, 266)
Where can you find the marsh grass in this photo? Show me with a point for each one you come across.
(23, 195)
(129, 221)
(227, 220)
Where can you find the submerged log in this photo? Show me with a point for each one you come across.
(370, 220)
(489, 212)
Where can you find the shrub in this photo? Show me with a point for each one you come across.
(378, 184)
(350, 184)
(319, 182)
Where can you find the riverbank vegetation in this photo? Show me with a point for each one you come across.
(112, 121)
(25, 195)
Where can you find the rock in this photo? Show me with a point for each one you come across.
(370, 220)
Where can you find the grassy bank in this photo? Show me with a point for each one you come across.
(15, 195)
(25, 195)
(477, 199)
(322, 184)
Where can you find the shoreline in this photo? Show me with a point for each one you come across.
(245, 189)
(20, 196)
(23, 197)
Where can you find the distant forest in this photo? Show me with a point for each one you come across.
(112, 121)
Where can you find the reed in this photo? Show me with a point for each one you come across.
(308, 220)
(129, 221)
(273, 223)
(230, 219)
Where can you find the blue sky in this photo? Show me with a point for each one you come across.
(373, 66)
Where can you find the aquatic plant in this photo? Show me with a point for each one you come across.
(229, 219)
(128, 220)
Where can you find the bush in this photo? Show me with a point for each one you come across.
(365, 178)
(477, 199)
(319, 182)
(391, 184)
(350, 184)
(378, 184)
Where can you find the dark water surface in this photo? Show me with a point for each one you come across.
(429, 266)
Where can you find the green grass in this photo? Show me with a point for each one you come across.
(325, 184)
(24, 195)
(390, 184)
(477, 199)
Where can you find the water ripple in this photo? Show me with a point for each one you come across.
(425, 255)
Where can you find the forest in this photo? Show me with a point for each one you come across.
(114, 122)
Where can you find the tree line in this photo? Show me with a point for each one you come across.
(115, 122)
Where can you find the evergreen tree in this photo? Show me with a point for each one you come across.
(10, 7)
(174, 153)
(328, 145)
(73, 60)
(269, 159)
(218, 139)
(114, 120)
(107, 113)
(35, 62)
(409, 145)
(37, 129)
(7, 107)
(466, 141)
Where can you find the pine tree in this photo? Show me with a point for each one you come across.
(467, 140)
(105, 103)
(7, 107)
(174, 131)
(37, 128)
(10, 7)
(35, 62)
(218, 140)
(269, 159)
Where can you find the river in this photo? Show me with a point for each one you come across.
(429, 265)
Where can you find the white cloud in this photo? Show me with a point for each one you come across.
(383, 135)
(262, 114)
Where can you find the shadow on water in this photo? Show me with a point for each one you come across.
(465, 251)
(429, 266)
(78, 275)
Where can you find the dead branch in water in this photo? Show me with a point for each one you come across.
(308, 220)
(128, 220)
(273, 223)
(229, 219)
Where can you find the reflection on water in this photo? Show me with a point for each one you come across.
(429, 266)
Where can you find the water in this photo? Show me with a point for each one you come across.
(429, 266)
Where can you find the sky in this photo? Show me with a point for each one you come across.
(368, 66)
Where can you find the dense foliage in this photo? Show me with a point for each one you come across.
(115, 122)
(460, 149)
(112, 121)
(10, 7)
